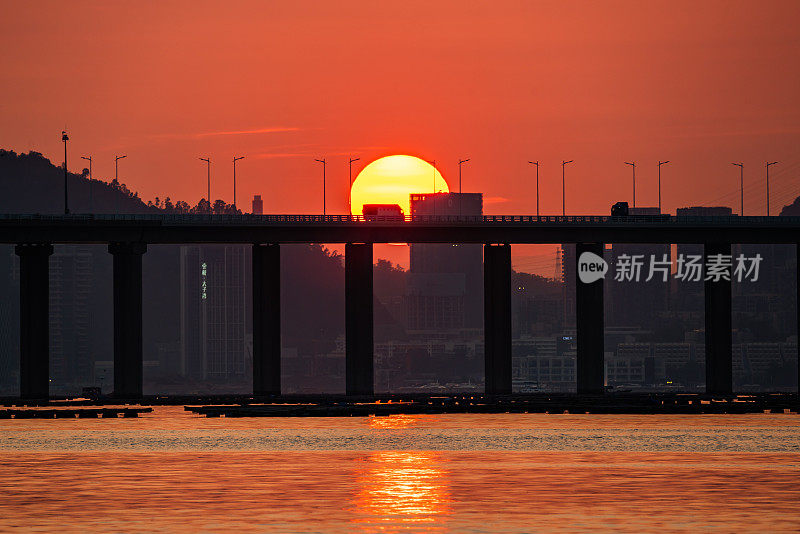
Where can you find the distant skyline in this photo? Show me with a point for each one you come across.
(701, 85)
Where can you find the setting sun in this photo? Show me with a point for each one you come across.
(390, 180)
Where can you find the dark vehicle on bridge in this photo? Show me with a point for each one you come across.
(620, 209)
(647, 214)
(374, 212)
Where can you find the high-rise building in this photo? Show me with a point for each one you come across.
(444, 289)
(80, 334)
(568, 279)
(632, 300)
(689, 294)
(258, 205)
(626, 303)
(9, 322)
(213, 311)
(71, 283)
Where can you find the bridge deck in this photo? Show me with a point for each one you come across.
(513, 229)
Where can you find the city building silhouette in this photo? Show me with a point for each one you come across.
(213, 311)
(443, 289)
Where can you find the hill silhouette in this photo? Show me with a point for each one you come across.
(30, 183)
(792, 210)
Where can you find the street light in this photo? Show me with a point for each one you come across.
(460, 199)
(741, 186)
(323, 184)
(459, 173)
(660, 163)
(208, 167)
(350, 191)
(768, 165)
(116, 182)
(633, 164)
(235, 159)
(433, 163)
(537, 185)
(89, 159)
(65, 138)
(563, 189)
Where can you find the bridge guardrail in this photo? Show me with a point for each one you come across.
(185, 218)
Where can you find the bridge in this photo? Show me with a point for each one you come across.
(127, 237)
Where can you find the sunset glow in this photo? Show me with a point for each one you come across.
(240, 294)
(390, 180)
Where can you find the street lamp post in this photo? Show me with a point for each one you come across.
(350, 191)
(116, 182)
(323, 184)
(769, 163)
(460, 162)
(433, 163)
(633, 164)
(460, 199)
(660, 163)
(208, 178)
(537, 185)
(741, 187)
(65, 138)
(235, 159)
(563, 189)
(89, 159)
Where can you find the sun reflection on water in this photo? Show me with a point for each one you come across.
(392, 422)
(399, 490)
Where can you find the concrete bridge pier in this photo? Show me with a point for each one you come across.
(497, 318)
(127, 318)
(359, 365)
(34, 328)
(589, 368)
(266, 320)
(719, 341)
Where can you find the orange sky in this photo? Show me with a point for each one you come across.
(701, 84)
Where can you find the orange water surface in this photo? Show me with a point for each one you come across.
(175, 472)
